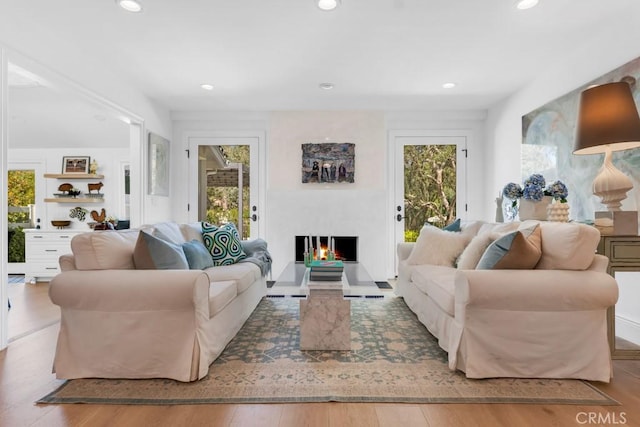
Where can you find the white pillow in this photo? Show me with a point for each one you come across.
(474, 250)
(437, 247)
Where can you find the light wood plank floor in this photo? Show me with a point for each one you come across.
(25, 376)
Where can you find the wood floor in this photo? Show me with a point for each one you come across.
(25, 376)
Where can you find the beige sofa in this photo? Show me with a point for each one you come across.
(546, 322)
(119, 322)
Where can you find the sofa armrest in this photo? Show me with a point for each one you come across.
(599, 263)
(404, 250)
(132, 290)
(67, 262)
(534, 290)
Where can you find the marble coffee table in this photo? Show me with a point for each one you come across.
(325, 307)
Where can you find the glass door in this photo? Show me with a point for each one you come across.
(429, 183)
(226, 175)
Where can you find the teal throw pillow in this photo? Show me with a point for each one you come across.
(153, 253)
(223, 243)
(197, 255)
(454, 226)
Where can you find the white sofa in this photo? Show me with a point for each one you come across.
(546, 322)
(120, 322)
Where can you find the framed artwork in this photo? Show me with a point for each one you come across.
(328, 163)
(75, 164)
(158, 165)
(547, 146)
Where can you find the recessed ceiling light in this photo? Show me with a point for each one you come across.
(449, 85)
(130, 5)
(326, 86)
(206, 86)
(526, 4)
(328, 4)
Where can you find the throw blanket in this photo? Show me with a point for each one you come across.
(258, 254)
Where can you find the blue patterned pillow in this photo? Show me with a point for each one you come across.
(223, 243)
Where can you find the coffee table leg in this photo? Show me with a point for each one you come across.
(325, 322)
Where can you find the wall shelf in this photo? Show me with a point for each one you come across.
(75, 200)
(73, 176)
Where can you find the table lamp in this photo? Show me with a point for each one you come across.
(608, 121)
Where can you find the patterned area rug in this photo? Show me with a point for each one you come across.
(393, 359)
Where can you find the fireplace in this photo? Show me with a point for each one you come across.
(346, 247)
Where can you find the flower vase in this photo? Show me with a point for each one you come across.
(534, 209)
(558, 211)
(509, 210)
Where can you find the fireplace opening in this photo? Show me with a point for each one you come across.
(346, 247)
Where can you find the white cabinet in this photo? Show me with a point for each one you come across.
(43, 248)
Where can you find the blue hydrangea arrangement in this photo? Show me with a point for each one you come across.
(534, 190)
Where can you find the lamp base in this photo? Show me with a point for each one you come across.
(617, 223)
(610, 184)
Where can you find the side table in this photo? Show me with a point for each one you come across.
(624, 255)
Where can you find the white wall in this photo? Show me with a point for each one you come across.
(356, 209)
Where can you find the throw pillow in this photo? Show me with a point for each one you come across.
(520, 249)
(197, 255)
(223, 243)
(153, 253)
(473, 252)
(454, 226)
(437, 247)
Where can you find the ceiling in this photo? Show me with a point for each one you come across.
(263, 55)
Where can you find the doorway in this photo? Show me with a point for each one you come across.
(22, 191)
(224, 182)
(429, 182)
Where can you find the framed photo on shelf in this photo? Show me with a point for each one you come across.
(75, 164)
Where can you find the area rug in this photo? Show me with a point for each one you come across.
(393, 359)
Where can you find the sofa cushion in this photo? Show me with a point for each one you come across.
(243, 274)
(197, 255)
(154, 253)
(475, 249)
(437, 247)
(169, 231)
(519, 249)
(104, 250)
(191, 231)
(220, 295)
(438, 282)
(223, 243)
(568, 246)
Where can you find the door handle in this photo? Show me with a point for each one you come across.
(399, 217)
(254, 217)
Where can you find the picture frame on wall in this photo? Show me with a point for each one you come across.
(75, 165)
(328, 163)
(158, 165)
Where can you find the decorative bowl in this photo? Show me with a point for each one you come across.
(60, 223)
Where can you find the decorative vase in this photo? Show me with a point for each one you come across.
(509, 210)
(531, 209)
(558, 211)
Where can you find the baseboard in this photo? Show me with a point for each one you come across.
(628, 329)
